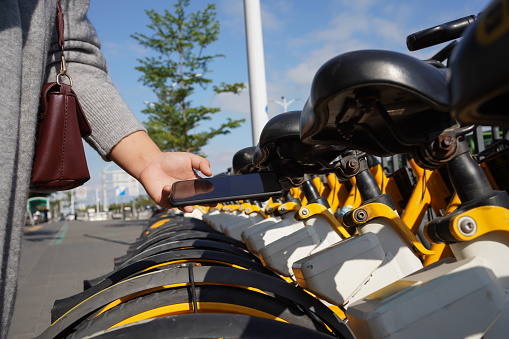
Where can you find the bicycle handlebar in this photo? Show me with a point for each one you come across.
(438, 34)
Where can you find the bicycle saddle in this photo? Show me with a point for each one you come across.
(242, 162)
(280, 149)
(380, 102)
(480, 70)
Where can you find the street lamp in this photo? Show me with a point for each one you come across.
(284, 103)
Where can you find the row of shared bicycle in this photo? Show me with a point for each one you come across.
(349, 250)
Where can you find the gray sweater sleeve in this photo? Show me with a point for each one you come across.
(110, 118)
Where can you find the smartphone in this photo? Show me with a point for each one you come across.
(220, 189)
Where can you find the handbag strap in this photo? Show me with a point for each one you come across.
(61, 43)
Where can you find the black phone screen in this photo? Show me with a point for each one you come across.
(220, 189)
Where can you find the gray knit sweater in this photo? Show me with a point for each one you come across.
(29, 57)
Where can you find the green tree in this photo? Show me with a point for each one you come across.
(179, 41)
(114, 207)
(143, 201)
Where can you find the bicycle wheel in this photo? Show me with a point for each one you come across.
(190, 243)
(211, 275)
(156, 262)
(208, 299)
(212, 326)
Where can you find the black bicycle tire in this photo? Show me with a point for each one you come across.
(62, 306)
(174, 224)
(177, 237)
(191, 243)
(213, 326)
(171, 228)
(209, 293)
(185, 234)
(202, 275)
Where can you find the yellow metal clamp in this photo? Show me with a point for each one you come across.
(272, 206)
(318, 209)
(374, 210)
(255, 209)
(479, 221)
(299, 194)
(244, 206)
(288, 207)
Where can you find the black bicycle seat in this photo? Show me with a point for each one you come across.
(380, 102)
(280, 149)
(480, 70)
(242, 162)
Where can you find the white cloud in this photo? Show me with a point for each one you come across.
(389, 30)
(237, 104)
(304, 72)
(359, 5)
(356, 26)
(270, 20)
(272, 14)
(342, 27)
(233, 11)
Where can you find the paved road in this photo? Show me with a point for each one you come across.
(56, 258)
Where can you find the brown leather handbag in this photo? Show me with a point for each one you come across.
(60, 162)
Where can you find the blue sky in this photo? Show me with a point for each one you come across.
(299, 36)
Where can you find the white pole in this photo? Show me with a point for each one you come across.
(105, 198)
(103, 177)
(96, 199)
(30, 215)
(256, 66)
(72, 201)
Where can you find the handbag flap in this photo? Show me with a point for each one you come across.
(53, 87)
(43, 104)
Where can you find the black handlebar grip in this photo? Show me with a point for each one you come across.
(438, 34)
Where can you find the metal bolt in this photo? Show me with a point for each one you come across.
(467, 226)
(361, 215)
(304, 212)
(282, 209)
(447, 141)
(248, 210)
(353, 163)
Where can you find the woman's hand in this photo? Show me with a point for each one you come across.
(139, 156)
(159, 175)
